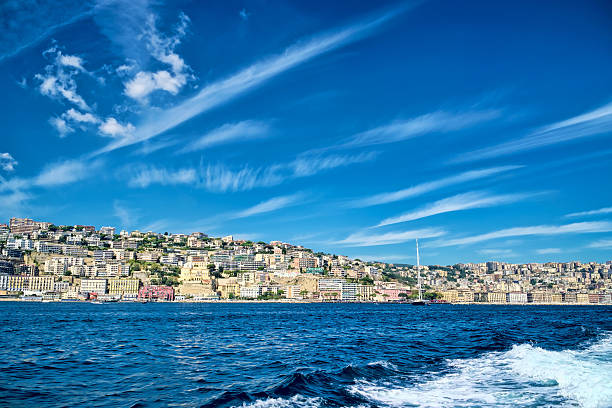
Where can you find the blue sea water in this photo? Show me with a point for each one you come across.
(304, 355)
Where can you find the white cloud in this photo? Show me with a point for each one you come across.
(71, 61)
(497, 252)
(429, 186)
(406, 129)
(360, 239)
(459, 202)
(224, 90)
(547, 251)
(126, 216)
(76, 116)
(162, 48)
(144, 83)
(602, 243)
(61, 126)
(600, 211)
(65, 172)
(112, 128)
(308, 165)
(7, 162)
(147, 176)
(596, 122)
(273, 204)
(221, 178)
(231, 132)
(575, 228)
(58, 80)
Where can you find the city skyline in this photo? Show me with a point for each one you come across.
(349, 131)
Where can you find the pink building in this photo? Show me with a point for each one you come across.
(393, 294)
(156, 292)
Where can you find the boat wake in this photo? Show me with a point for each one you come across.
(525, 375)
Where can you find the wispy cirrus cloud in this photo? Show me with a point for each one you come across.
(308, 164)
(601, 244)
(224, 90)
(363, 238)
(401, 130)
(548, 251)
(574, 228)
(33, 22)
(459, 202)
(504, 252)
(7, 162)
(231, 132)
(596, 122)
(600, 211)
(221, 178)
(66, 172)
(147, 176)
(429, 186)
(272, 204)
(127, 216)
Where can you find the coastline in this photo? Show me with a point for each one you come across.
(297, 301)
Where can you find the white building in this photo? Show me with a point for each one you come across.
(93, 286)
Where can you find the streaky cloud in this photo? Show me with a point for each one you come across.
(220, 178)
(601, 244)
(596, 122)
(600, 211)
(574, 228)
(231, 132)
(429, 186)
(548, 251)
(224, 90)
(272, 204)
(361, 239)
(401, 130)
(459, 202)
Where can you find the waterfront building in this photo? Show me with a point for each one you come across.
(97, 286)
(349, 292)
(516, 297)
(365, 292)
(123, 286)
(497, 297)
(20, 283)
(156, 292)
(250, 292)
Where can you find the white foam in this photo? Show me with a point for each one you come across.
(297, 401)
(383, 363)
(524, 375)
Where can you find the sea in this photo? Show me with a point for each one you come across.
(68, 354)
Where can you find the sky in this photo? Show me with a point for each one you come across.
(481, 128)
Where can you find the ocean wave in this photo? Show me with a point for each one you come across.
(525, 375)
(383, 363)
(297, 401)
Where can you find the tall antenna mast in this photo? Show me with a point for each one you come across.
(418, 270)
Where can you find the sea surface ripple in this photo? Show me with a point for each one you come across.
(304, 355)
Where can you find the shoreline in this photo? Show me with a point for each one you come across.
(297, 301)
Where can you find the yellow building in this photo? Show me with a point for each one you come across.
(582, 298)
(228, 288)
(465, 296)
(450, 296)
(496, 297)
(365, 292)
(123, 286)
(31, 283)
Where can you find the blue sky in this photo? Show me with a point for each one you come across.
(482, 128)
